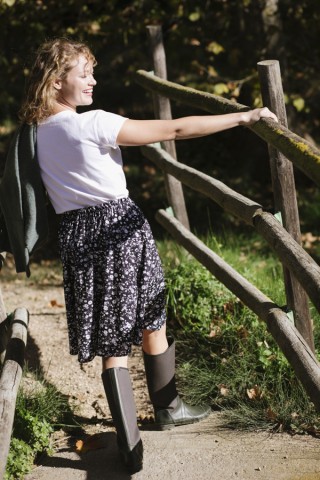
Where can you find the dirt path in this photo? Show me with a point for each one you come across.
(205, 450)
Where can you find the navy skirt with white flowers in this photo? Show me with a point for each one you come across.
(113, 279)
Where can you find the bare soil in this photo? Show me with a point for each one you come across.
(205, 450)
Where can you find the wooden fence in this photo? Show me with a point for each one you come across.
(300, 270)
(13, 339)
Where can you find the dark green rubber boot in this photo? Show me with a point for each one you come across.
(118, 388)
(169, 409)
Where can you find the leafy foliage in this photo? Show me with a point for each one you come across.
(33, 430)
(190, 299)
(39, 410)
(20, 459)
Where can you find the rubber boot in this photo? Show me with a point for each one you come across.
(169, 409)
(118, 388)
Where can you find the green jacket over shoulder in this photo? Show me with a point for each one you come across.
(23, 220)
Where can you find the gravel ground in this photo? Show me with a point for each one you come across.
(205, 450)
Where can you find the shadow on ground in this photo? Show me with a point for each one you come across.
(99, 464)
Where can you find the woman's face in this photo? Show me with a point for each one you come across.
(76, 89)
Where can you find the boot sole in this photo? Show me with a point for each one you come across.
(170, 426)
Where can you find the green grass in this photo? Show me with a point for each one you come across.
(226, 355)
(40, 410)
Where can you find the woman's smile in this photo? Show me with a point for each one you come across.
(76, 89)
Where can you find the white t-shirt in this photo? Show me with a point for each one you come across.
(80, 162)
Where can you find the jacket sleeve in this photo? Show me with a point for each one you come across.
(22, 199)
(34, 201)
(11, 202)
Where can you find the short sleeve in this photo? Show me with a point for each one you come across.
(107, 126)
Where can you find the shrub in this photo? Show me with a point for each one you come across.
(20, 459)
(39, 409)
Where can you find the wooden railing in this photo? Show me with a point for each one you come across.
(13, 339)
(303, 154)
(301, 272)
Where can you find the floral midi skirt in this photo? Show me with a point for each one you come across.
(113, 279)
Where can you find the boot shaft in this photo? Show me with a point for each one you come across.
(160, 375)
(118, 388)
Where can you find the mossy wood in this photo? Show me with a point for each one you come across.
(284, 194)
(10, 380)
(293, 345)
(303, 155)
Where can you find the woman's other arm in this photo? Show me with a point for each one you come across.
(142, 132)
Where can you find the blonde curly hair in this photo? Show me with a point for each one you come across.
(54, 59)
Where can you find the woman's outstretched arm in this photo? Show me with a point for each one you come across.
(141, 132)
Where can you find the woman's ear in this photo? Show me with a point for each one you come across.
(57, 84)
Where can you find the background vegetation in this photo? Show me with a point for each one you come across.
(212, 45)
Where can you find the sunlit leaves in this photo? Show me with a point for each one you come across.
(299, 103)
(194, 16)
(221, 88)
(9, 3)
(215, 48)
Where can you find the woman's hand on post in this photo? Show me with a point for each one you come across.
(253, 116)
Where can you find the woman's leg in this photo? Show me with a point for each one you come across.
(155, 341)
(118, 388)
(113, 362)
(159, 359)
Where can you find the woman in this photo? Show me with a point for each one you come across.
(113, 280)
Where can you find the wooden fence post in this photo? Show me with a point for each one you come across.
(163, 111)
(285, 195)
(3, 329)
(10, 380)
(3, 319)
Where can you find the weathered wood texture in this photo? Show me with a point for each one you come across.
(2, 307)
(284, 192)
(294, 347)
(304, 155)
(282, 175)
(10, 380)
(224, 196)
(4, 329)
(290, 253)
(2, 259)
(162, 109)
